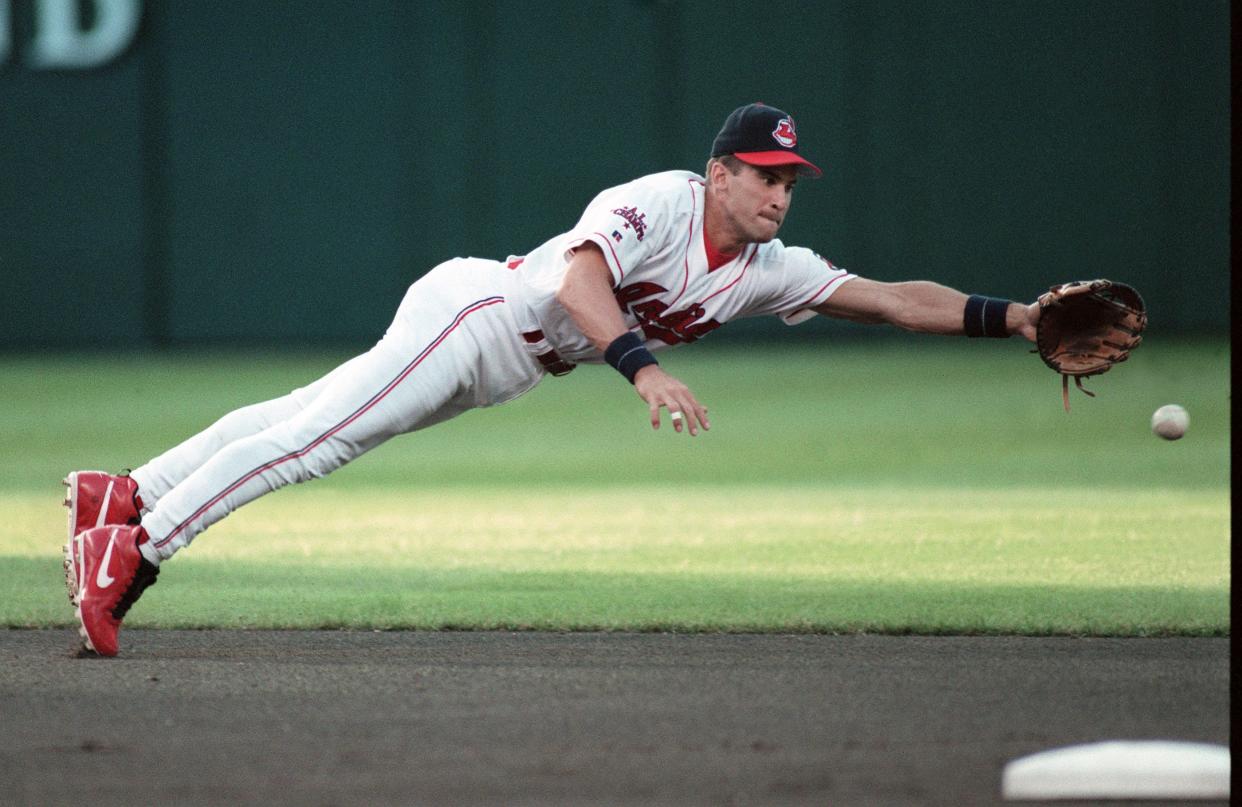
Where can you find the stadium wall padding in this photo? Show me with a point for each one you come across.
(280, 172)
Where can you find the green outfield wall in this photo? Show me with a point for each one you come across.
(262, 172)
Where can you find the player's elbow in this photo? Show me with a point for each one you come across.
(569, 292)
(892, 306)
(587, 273)
(906, 317)
(922, 307)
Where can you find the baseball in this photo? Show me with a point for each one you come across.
(1170, 421)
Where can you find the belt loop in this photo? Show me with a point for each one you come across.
(545, 354)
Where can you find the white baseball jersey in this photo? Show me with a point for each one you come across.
(651, 233)
(461, 339)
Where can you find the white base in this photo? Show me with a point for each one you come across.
(1149, 769)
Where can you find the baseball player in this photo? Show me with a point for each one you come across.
(659, 261)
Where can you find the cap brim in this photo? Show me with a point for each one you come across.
(774, 158)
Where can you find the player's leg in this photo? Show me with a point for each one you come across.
(107, 567)
(417, 375)
(163, 473)
(339, 425)
(453, 346)
(98, 498)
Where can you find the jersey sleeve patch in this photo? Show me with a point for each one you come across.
(623, 230)
(631, 219)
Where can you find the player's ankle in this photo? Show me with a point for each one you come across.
(147, 549)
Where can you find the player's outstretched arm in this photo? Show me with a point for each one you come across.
(918, 305)
(586, 294)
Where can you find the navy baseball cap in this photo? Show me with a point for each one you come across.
(762, 135)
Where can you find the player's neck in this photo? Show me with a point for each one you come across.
(716, 258)
(718, 235)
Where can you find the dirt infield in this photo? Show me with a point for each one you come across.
(529, 718)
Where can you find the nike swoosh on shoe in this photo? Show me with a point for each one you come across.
(102, 578)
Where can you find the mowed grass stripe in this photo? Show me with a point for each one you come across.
(730, 558)
(902, 414)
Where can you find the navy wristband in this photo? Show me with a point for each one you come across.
(628, 355)
(985, 316)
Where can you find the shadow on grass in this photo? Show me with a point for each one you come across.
(211, 594)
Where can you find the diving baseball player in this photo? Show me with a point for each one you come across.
(659, 261)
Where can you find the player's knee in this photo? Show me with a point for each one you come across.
(323, 455)
(240, 423)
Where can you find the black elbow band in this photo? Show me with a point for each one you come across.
(628, 355)
(985, 316)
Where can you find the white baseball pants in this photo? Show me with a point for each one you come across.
(454, 345)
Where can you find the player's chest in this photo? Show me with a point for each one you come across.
(677, 304)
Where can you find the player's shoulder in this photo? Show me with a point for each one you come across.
(776, 252)
(669, 189)
(665, 198)
(662, 182)
(669, 180)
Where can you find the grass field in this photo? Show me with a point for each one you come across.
(906, 485)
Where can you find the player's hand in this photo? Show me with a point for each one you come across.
(659, 389)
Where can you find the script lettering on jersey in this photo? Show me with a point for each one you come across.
(633, 219)
(672, 328)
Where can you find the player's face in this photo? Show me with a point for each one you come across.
(756, 200)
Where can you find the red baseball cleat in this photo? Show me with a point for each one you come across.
(111, 575)
(96, 499)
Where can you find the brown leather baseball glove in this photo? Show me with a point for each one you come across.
(1087, 326)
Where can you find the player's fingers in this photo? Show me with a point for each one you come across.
(677, 418)
(655, 415)
(700, 412)
(695, 415)
(690, 413)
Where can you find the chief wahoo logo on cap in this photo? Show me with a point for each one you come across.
(784, 133)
